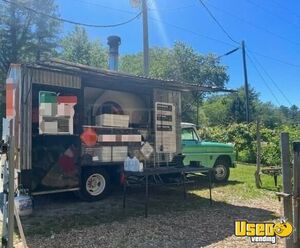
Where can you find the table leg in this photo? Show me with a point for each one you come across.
(184, 186)
(124, 191)
(146, 196)
(209, 182)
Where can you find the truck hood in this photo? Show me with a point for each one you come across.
(217, 144)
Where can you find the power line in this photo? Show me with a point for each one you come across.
(198, 34)
(106, 7)
(191, 32)
(70, 21)
(286, 9)
(172, 9)
(271, 13)
(217, 22)
(272, 80)
(255, 25)
(274, 59)
(262, 78)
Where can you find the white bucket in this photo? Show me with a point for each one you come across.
(23, 205)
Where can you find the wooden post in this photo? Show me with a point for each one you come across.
(258, 155)
(296, 171)
(246, 83)
(11, 192)
(145, 37)
(287, 182)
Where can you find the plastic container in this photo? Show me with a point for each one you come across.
(23, 204)
(131, 164)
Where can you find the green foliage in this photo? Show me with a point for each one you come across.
(24, 35)
(244, 137)
(76, 47)
(230, 108)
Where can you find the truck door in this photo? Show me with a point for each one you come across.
(190, 145)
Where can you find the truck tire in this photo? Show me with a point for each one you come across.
(95, 184)
(221, 171)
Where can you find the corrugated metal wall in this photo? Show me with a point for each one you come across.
(40, 76)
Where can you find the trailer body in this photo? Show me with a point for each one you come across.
(59, 119)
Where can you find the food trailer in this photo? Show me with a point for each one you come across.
(74, 126)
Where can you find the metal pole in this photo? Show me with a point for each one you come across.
(246, 82)
(145, 37)
(296, 171)
(287, 182)
(11, 191)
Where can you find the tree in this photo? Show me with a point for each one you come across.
(76, 47)
(25, 35)
(180, 63)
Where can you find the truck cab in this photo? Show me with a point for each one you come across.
(219, 156)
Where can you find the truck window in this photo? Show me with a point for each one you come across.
(188, 134)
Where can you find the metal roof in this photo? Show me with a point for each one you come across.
(84, 70)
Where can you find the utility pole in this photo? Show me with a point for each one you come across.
(246, 83)
(145, 37)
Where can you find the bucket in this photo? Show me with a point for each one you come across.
(23, 204)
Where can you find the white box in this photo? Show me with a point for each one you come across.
(120, 153)
(131, 138)
(112, 120)
(64, 109)
(107, 138)
(103, 153)
(49, 127)
(48, 109)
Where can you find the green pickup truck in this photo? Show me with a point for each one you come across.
(216, 155)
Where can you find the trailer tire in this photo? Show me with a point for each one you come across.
(95, 184)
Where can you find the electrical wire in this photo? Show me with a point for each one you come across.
(171, 9)
(255, 25)
(198, 34)
(217, 22)
(272, 80)
(73, 22)
(274, 59)
(106, 7)
(271, 13)
(191, 31)
(262, 78)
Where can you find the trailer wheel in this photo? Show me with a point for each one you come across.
(95, 184)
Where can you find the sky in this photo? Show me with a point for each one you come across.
(269, 29)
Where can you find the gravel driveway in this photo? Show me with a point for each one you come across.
(63, 221)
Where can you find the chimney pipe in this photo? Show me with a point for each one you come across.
(113, 57)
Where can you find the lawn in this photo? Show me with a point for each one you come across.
(64, 217)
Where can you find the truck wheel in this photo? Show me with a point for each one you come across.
(95, 184)
(221, 171)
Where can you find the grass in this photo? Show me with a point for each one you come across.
(242, 183)
(68, 214)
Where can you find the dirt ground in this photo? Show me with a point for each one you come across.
(64, 221)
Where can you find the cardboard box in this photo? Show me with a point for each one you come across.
(48, 109)
(49, 127)
(112, 120)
